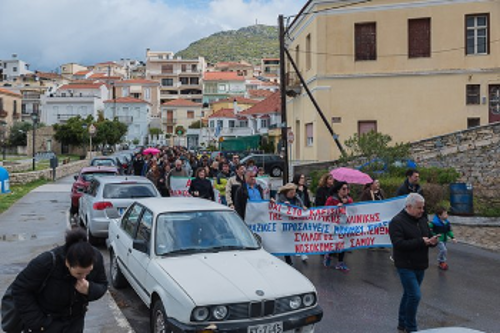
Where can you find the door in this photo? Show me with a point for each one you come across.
(494, 103)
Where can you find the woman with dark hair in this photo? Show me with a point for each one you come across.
(52, 293)
(201, 187)
(324, 189)
(372, 192)
(302, 192)
(340, 196)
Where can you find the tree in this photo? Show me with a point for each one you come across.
(74, 132)
(17, 136)
(373, 145)
(155, 131)
(180, 130)
(109, 131)
(197, 124)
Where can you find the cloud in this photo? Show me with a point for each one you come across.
(48, 33)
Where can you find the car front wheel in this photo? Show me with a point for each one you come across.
(276, 172)
(117, 279)
(159, 323)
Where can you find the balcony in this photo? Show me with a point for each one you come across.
(293, 85)
(126, 119)
(231, 131)
(169, 121)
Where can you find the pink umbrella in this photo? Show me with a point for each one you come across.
(351, 176)
(150, 150)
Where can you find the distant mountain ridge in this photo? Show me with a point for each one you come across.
(250, 44)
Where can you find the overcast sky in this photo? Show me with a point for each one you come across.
(48, 33)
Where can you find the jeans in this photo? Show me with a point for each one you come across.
(411, 280)
(442, 252)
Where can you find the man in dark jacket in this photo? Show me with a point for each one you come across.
(248, 191)
(411, 239)
(411, 184)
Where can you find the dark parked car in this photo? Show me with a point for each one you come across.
(273, 164)
(103, 161)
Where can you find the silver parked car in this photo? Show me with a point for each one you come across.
(106, 192)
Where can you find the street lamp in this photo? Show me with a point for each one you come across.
(34, 118)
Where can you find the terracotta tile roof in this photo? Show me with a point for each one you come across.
(82, 73)
(239, 99)
(81, 86)
(98, 76)
(222, 76)
(259, 93)
(48, 75)
(181, 102)
(272, 104)
(126, 100)
(8, 92)
(139, 81)
(223, 113)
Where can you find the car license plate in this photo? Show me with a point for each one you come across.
(267, 328)
(121, 210)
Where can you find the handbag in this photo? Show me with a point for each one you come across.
(11, 321)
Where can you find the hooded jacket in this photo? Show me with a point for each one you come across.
(441, 227)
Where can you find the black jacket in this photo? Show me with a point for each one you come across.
(204, 188)
(304, 196)
(409, 249)
(241, 199)
(322, 193)
(59, 298)
(406, 188)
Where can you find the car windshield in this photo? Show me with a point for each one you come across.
(206, 231)
(128, 191)
(103, 162)
(89, 176)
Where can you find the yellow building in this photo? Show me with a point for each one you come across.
(10, 108)
(410, 69)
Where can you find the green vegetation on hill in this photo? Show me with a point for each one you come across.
(250, 44)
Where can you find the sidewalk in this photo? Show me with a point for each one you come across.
(37, 223)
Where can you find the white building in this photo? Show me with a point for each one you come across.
(71, 100)
(12, 68)
(133, 112)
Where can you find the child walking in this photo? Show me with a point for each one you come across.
(441, 226)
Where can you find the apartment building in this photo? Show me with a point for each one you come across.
(179, 78)
(270, 69)
(10, 108)
(67, 70)
(147, 90)
(180, 112)
(410, 69)
(222, 85)
(71, 100)
(13, 68)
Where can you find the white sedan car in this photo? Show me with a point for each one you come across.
(199, 268)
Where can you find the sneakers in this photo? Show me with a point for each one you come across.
(341, 266)
(326, 260)
(443, 266)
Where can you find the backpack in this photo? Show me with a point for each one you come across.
(11, 322)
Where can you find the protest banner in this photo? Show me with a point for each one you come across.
(179, 187)
(289, 230)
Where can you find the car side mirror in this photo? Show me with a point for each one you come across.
(140, 245)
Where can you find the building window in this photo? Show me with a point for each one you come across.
(167, 82)
(183, 68)
(473, 122)
(23, 109)
(264, 123)
(473, 94)
(147, 94)
(366, 127)
(14, 69)
(1, 105)
(169, 68)
(232, 123)
(190, 114)
(365, 41)
(477, 34)
(244, 123)
(184, 80)
(220, 124)
(212, 124)
(170, 129)
(125, 91)
(15, 107)
(194, 81)
(308, 52)
(494, 92)
(222, 87)
(309, 135)
(419, 38)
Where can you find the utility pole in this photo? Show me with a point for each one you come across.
(284, 126)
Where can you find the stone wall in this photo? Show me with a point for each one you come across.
(475, 153)
(61, 171)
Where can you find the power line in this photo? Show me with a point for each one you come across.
(461, 48)
(326, 9)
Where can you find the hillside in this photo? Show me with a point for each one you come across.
(250, 44)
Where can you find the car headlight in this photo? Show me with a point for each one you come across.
(219, 312)
(295, 302)
(308, 299)
(201, 314)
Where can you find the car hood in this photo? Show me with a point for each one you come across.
(235, 276)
